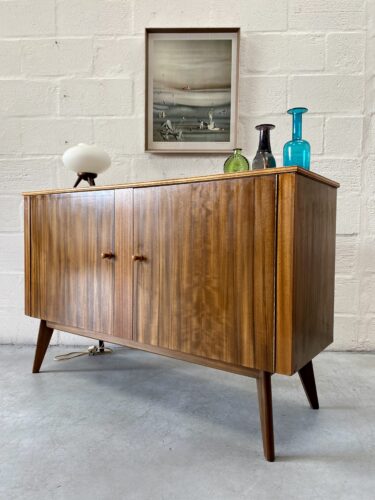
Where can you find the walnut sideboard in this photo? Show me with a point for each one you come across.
(234, 272)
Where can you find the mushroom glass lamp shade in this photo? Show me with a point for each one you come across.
(87, 161)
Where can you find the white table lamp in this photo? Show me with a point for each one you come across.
(87, 160)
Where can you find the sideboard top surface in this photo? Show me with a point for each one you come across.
(187, 180)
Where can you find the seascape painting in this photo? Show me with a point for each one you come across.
(192, 92)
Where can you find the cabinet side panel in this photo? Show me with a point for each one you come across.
(305, 270)
(123, 319)
(37, 256)
(27, 255)
(314, 269)
(284, 273)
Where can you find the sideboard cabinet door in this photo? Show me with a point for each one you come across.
(71, 281)
(205, 282)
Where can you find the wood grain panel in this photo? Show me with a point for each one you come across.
(284, 273)
(219, 365)
(305, 271)
(175, 245)
(147, 272)
(189, 180)
(27, 255)
(70, 282)
(38, 264)
(195, 292)
(264, 272)
(207, 285)
(314, 262)
(123, 316)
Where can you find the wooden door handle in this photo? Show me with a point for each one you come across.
(107, 255)
(138, 257)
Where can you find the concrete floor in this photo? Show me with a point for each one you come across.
(133, 425)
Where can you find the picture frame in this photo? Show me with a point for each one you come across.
(191, 89)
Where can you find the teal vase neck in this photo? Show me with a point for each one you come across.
(297, 126)
(297, 122)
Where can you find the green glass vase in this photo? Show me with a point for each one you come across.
(236, 162)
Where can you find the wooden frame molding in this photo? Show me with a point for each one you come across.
(234, 124)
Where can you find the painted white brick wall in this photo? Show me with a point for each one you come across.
(73, 71)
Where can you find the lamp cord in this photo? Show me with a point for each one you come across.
(91, 351)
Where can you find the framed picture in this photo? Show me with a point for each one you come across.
(191, 90)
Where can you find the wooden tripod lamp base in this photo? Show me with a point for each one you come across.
(86, 176)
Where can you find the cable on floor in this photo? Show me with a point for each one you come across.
(93, 350)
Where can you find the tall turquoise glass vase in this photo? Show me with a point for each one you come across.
(297, 151)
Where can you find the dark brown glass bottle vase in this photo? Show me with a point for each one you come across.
(264, 157)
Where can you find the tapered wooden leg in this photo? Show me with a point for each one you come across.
(307, 377)
(265, 412)
(44, 337)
